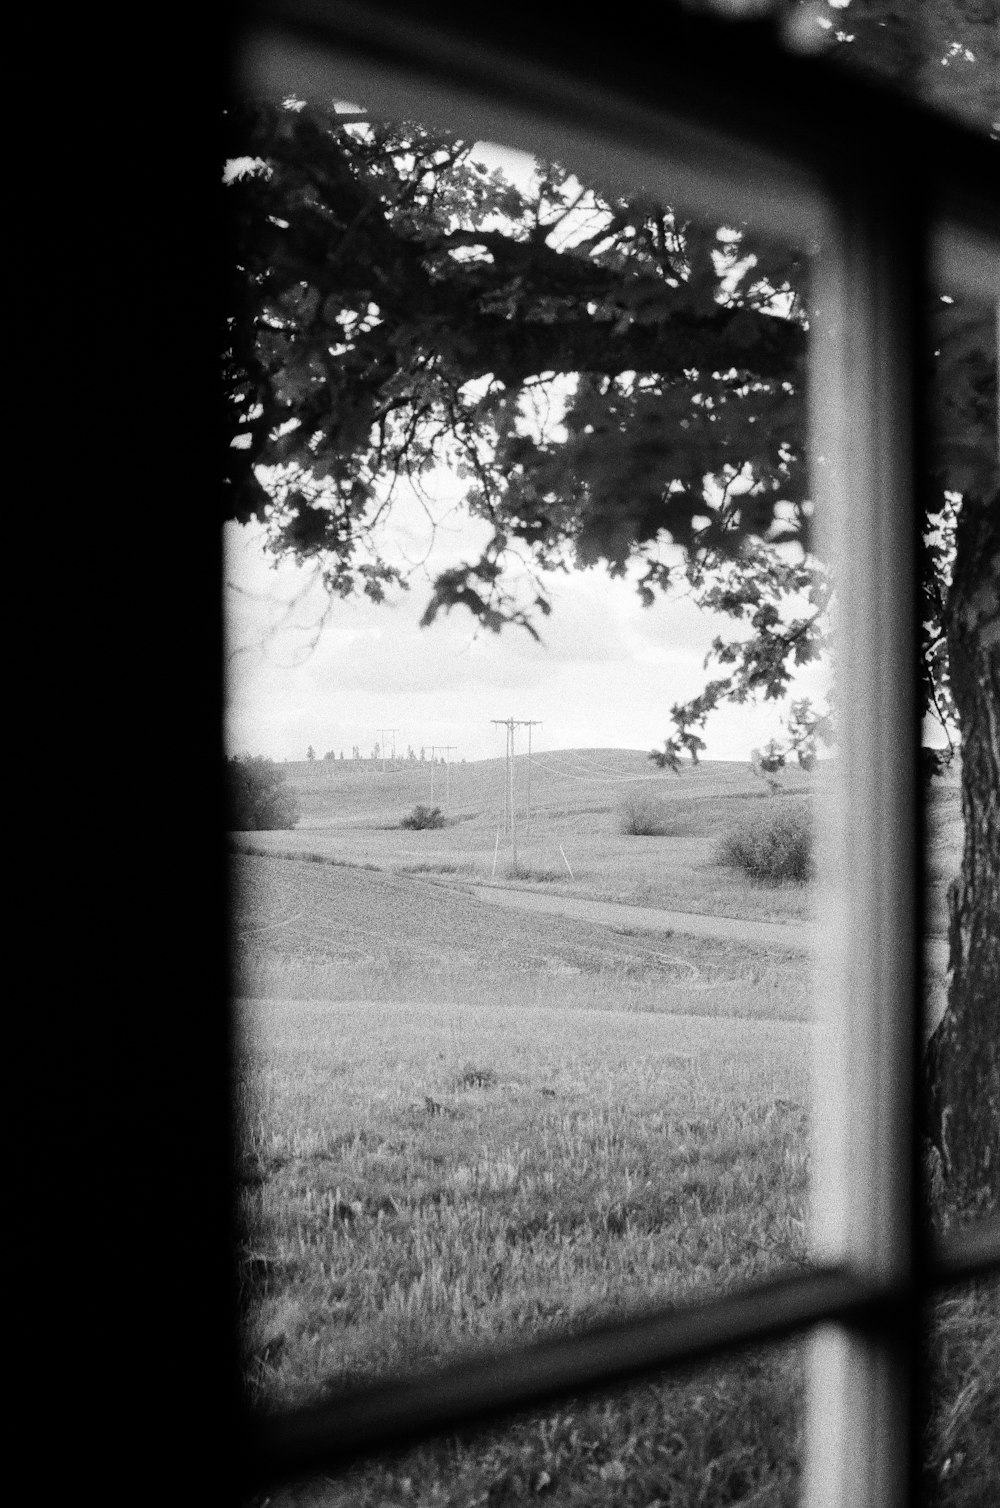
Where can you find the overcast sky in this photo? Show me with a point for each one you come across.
(303, 670)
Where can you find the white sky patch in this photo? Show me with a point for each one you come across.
(306, 670)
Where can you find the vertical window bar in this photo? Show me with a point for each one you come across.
(861, 1405)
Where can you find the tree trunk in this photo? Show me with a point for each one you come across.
(963, 1056)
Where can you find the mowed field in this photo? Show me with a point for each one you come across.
(468, 1126)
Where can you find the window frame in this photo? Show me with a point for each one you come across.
(892, 173)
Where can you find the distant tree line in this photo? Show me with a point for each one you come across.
(376, 754)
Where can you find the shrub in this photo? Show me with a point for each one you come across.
(256, 795)
(774, 845)
(644, 815)
(422, 817)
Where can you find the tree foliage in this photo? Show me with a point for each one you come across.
(581, 363)
(257, 796)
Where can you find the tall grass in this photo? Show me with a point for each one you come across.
(770, 992)
(423, 1180)
(962, 1462)
(726, 1434)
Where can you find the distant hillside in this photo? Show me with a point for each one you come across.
(577, 841)
(564, 783)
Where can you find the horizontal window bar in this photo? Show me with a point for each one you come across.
(330, 1435)
(973, 1253)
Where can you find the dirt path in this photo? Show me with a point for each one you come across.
(794, 937)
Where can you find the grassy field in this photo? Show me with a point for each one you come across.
(577, 802)
(437, 1176)
(329, 932)
(467, 1126)
(351, 812)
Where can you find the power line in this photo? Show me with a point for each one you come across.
(551, 767)
(383, 732)
(562, 756)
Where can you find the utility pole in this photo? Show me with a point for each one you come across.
(510, 723)
(448, 749)
(382, 732)
(527, 809)
(445, 750)
(510, 800)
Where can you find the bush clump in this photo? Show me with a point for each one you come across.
(774, 845)
(257, 797)
(422, 817)
(644, 815)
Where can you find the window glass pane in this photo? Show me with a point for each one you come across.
(728, 1433)
(526, 1009)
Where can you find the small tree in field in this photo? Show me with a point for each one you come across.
(257, 796)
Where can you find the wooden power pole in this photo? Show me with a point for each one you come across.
(446, 749)
(510, 810)
(382, 732)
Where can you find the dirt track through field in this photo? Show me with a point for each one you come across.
(795, 937)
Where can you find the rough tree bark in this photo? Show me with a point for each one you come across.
(963, 1055)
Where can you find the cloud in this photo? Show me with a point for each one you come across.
(304, 670)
